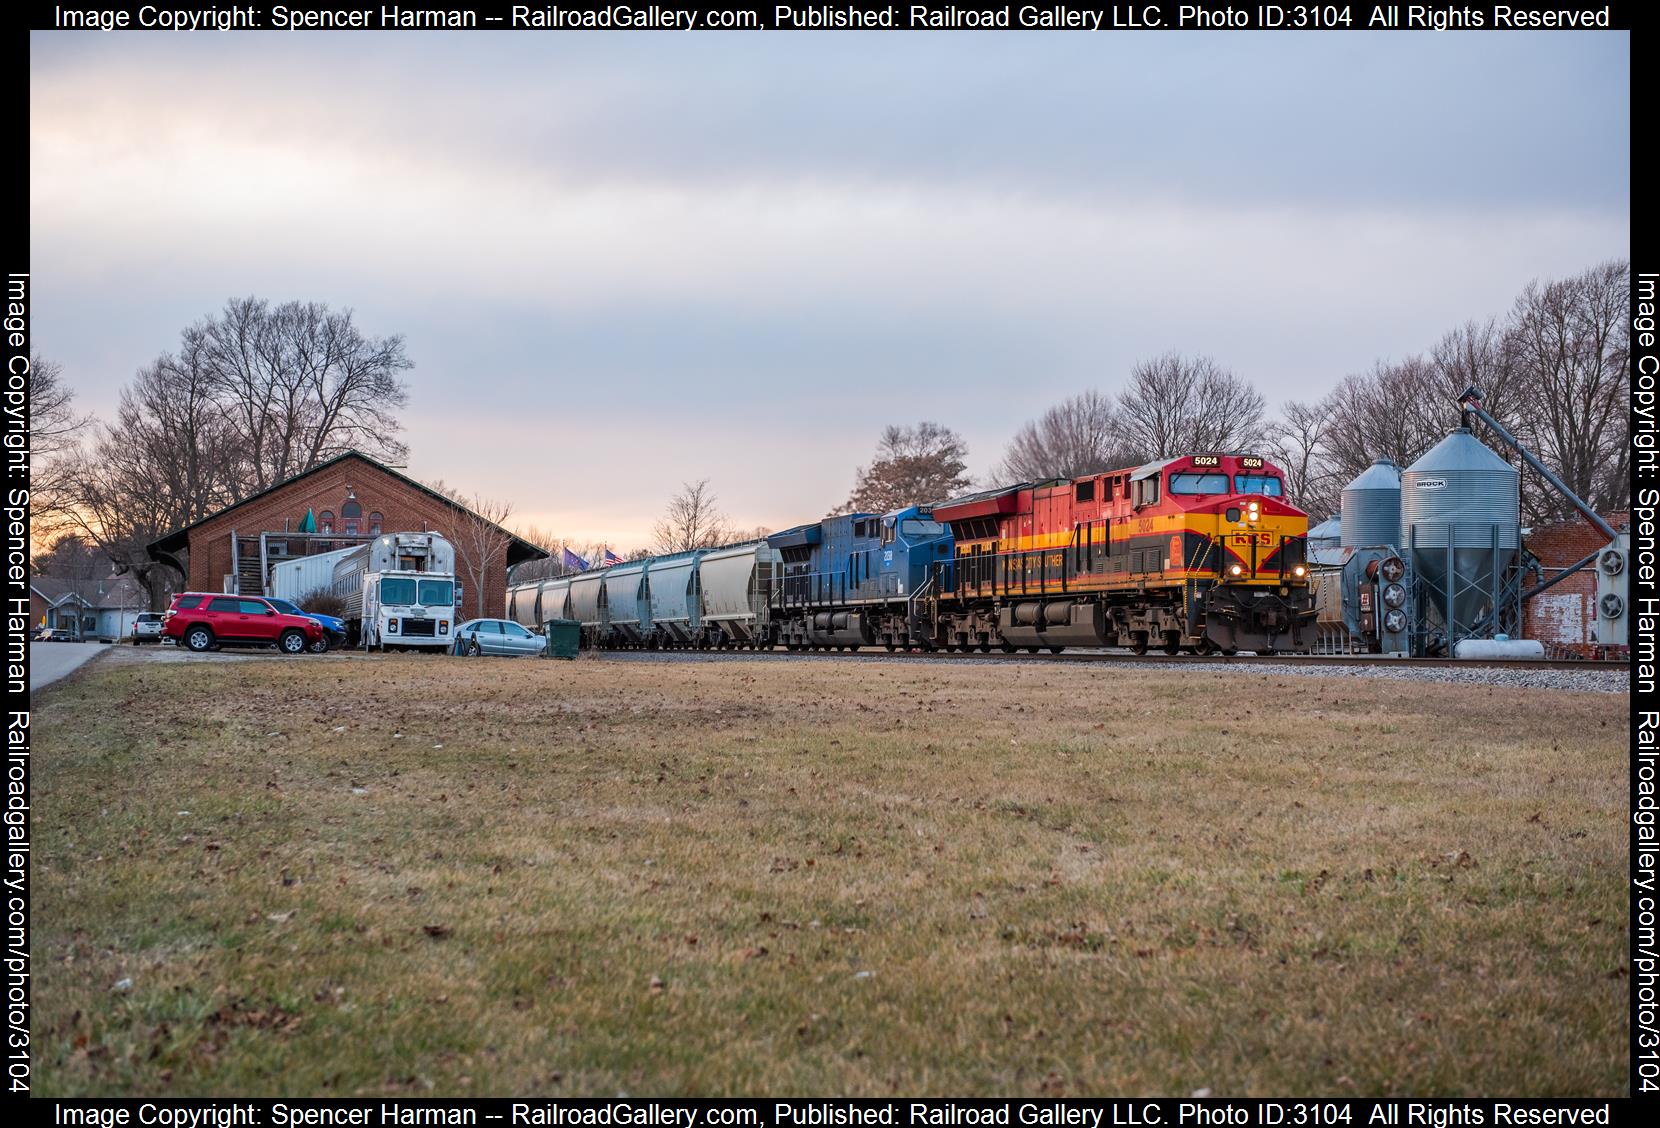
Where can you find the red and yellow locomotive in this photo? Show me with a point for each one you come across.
(1201, 552)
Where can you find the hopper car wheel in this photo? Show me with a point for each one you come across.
(1008, 647)
(891, 647)
(1229, 651)
(1033, 649)
(1268, 652)
(1056, 649)
(985, 646)
(1172, 643)
(1206, 647)
(1138, 642)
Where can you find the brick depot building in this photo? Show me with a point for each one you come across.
(1565, 617)
(351, 499)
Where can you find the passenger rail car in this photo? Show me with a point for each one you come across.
(1201, 552)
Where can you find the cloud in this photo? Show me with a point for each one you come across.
(717, 256)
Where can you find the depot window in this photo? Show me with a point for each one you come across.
(1265, 484)
(1199, 483)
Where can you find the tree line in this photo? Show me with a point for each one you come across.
(259, 392)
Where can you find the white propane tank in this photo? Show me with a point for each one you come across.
(1500, 647)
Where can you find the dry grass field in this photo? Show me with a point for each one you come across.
(425, 876)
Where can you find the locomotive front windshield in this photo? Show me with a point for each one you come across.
(1198, 483)
(916, 527)
(397, 589)
(1265, 484)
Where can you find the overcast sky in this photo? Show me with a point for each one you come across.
(623, 261)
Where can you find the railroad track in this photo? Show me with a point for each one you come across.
(1216, 661)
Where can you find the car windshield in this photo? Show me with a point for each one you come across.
(1198, 483)
(284, 606)
(437, 593)
(1265, 484)
(916, 527)
(397, 589)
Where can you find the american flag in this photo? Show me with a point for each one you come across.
(575, 563)
(612, 557)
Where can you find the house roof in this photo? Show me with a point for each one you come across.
(518, 550)
(109, 591)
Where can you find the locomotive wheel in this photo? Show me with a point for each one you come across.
(1172, 643)
(985, 646)
(1229, 651)
(1206, 647)
(1138, 642)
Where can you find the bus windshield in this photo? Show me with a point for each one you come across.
(1198, 483)
(1265, 484)
(437, 593)
(397, 589)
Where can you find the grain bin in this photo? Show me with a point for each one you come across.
(1461, 520)
(1371, 516)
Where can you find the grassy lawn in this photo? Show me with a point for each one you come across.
(419, 875)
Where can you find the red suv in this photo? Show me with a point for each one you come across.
(201, 621)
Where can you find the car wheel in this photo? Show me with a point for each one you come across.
(292, 642)
(199, 639)
(473, 650)
(321, 646)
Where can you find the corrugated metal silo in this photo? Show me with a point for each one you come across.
(1371, 514)
(1461, 520)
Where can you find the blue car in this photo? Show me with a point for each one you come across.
(334, 630)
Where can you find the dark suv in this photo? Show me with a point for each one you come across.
(202, 620)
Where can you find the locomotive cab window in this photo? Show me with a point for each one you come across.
(1265, 484)
(1084, 491)
(887, 530)
(1146, 491)
(1199, 483)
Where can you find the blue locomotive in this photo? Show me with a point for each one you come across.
(858, 579)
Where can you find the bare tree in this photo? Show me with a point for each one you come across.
(1081, 435)
(692, 519)
(1178, 405)
(480, 540)
(913, 466)
(1572, 342)
(53, 422)
(300, 383)
(1297, 444)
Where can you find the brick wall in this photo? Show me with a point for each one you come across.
(403, 509)
(1566, 615)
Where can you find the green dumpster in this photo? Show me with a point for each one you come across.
(563, 636)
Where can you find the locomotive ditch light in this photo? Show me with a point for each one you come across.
(1236, 570)
(1252, 515)
(1299, 571)
(1253, 507)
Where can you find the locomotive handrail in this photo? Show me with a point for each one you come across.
(804, 589)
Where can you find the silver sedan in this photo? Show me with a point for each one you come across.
(496, 636)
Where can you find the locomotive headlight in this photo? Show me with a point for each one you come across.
(1299, 571)
(1252, 506)
(1236, 570)
(1394, 595)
